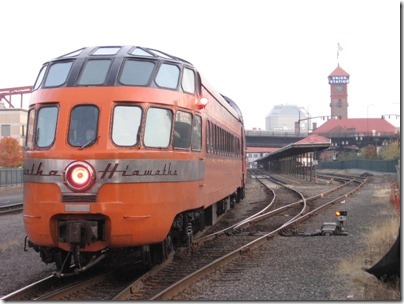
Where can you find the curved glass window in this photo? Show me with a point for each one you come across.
(158, 128)
(136, 72)
(108, 50)
(160, 54)
(182, 130)
(126, 125)
(29, 141)
(83, 125)
(167, 76)
(197, 134)
(140, 52)
(39, 79)
(46, 126)
(58, 73)
(188, 81)
(94, 72)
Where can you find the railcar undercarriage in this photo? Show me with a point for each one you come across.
(81, 232)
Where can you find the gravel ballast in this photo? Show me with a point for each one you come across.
(308, 268)
(286, 268)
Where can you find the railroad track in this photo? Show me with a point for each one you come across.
(94, 285)
(11, 208)
(280, 209)
(217, 249)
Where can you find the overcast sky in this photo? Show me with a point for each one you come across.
(260, 53)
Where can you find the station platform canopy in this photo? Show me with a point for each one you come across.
(312, 143)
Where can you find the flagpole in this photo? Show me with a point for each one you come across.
(339, 49)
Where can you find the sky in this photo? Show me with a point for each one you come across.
(260, 53)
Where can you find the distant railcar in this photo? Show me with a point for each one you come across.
(127, 148)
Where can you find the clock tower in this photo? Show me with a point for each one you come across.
(338, 81)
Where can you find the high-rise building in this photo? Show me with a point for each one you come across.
(283, 119)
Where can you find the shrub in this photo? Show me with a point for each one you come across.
(10, 153)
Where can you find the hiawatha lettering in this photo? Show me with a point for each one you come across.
(109, 171)
(167, 170)
(36, 170)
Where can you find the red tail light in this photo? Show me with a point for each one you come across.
(79, 176)
(201, 102)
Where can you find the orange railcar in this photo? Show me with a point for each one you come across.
(127, 148)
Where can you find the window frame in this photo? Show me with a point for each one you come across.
(182, 135)
(30, 138)
(199, 148)
(186, 80)
(145, 124)
(84, 69)
(36, 136)
(157, 75)
(49, 70)
(151, 76)
(138, 132)
(80, 128)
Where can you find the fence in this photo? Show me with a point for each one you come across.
(11, 177)
(388, 166)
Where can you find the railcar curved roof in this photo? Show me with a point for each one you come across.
(120, 53)
(127, 50)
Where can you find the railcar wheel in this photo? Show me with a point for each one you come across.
(241, 194)
(146, 256)
(160, 252)
(156, 253)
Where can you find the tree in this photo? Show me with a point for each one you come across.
(347, 155)
(369, 152)
(391, 151)
(10, 153)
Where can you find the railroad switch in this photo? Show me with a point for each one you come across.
(332, 228)
(327, 228)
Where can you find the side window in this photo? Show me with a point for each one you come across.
(135, 72)
(29, 143)
(208, 137)
(167, 76)
(83, 125)
(158, 128)
(188, 81)
(182, 130)
(58, 73)
(39, 79)
(126, 125)
(197, 134)
(94, 72)
(46, 126)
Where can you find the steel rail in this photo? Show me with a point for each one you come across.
(11, 208)
(23, 293)
(211, 236)
(172, 290)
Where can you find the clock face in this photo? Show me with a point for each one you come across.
(339, 88)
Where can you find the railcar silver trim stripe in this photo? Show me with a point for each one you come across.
(118, 170)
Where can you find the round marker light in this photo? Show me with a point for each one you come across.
(79, 176)
(201, 102)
